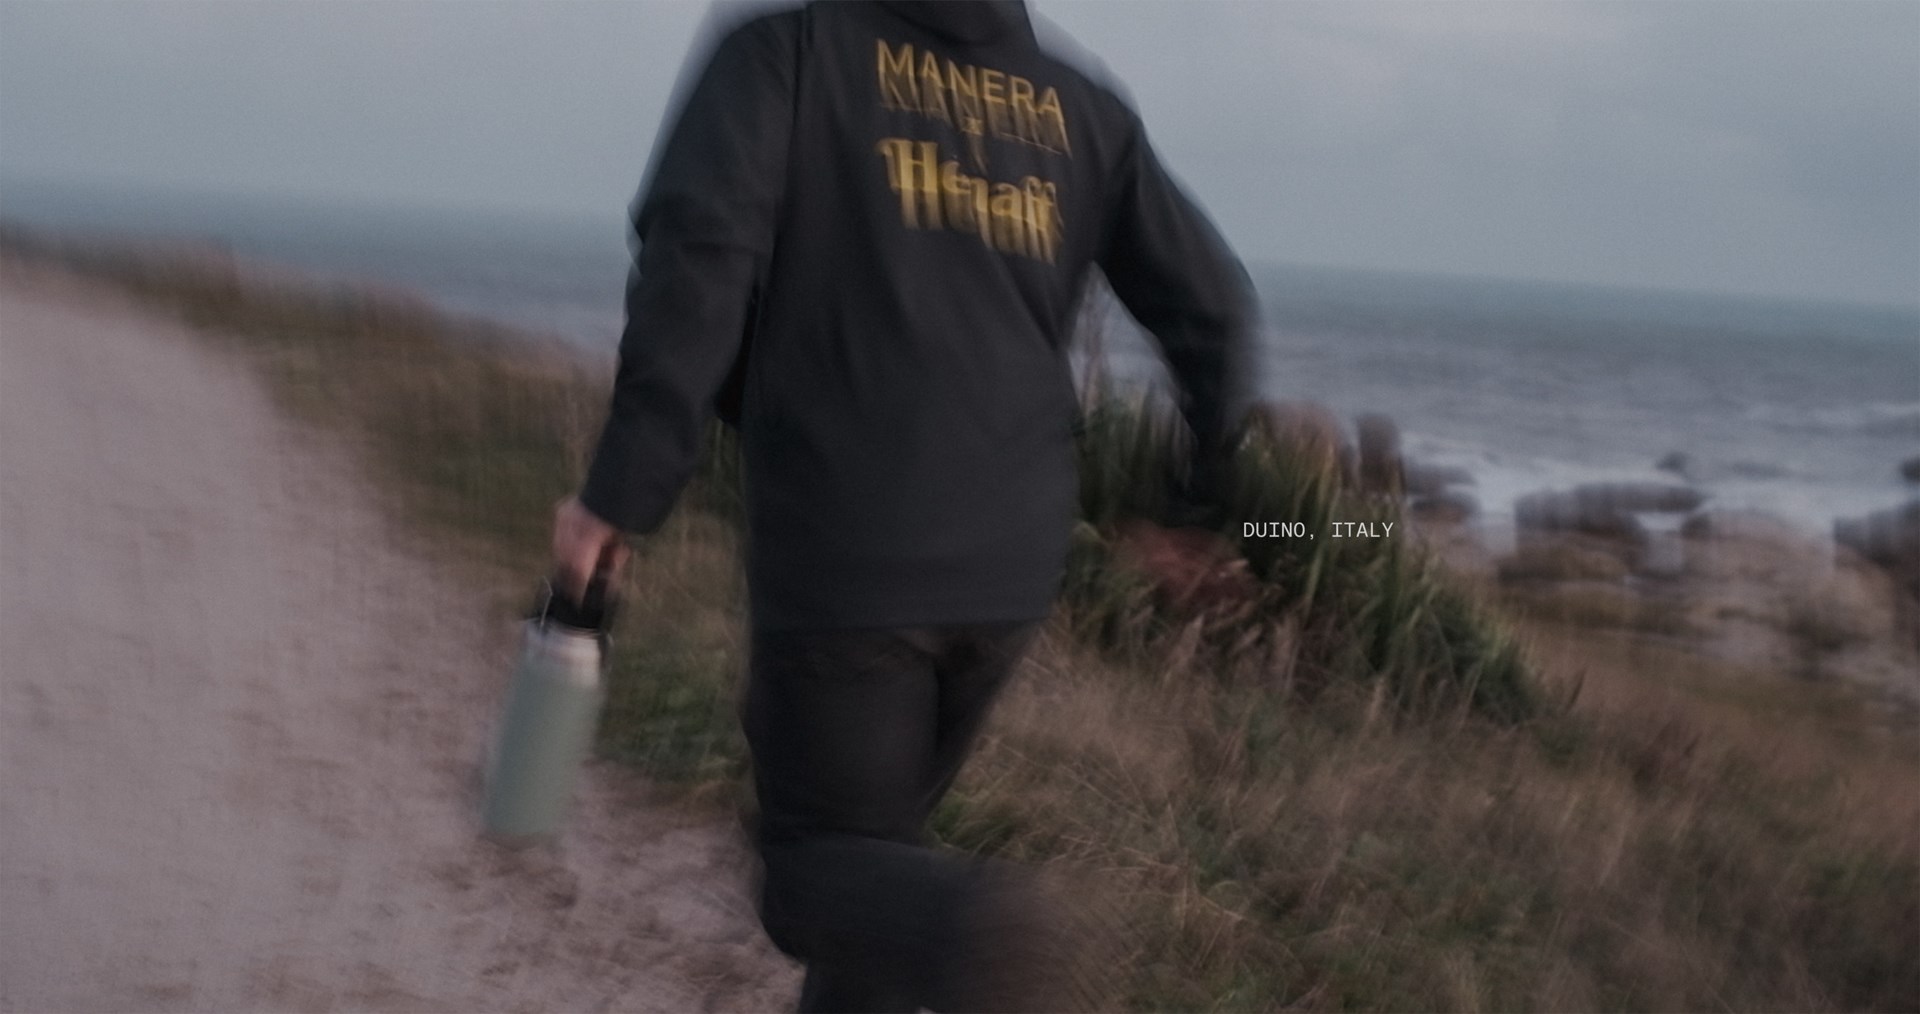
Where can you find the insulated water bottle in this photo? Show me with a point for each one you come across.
(553, 706)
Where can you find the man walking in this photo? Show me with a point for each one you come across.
(863, 240)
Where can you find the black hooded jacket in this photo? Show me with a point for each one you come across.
(895, 207)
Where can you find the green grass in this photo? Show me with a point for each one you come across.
(1345, 610)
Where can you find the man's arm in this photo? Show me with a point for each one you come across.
(704, 228)
(1177, 276)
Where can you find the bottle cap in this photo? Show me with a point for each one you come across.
(593, 614)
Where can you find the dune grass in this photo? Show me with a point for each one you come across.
(1348, 787)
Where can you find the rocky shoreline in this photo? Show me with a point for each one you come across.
(1659, 560)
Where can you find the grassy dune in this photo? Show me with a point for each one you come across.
(1342, 782)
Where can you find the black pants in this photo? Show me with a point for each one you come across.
(856, 735)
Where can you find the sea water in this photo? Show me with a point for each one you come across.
(1798, 409)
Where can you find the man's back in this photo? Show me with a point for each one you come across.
(910, 198)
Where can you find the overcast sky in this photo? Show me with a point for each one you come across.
(1759, 147)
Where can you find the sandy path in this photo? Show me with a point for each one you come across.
(240, 717)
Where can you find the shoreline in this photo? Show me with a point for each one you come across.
(1743, 589)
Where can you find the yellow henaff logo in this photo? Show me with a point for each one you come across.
(1015, 218)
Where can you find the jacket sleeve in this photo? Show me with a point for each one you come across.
(1175, 273)
(703, 230)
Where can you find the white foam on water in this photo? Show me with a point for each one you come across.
(1873, 417)
(1501, 479)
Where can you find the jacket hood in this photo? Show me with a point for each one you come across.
(970, 21)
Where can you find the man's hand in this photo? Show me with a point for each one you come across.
(583, 543)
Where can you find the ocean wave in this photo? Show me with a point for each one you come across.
(1500, 479)
(1873, 418)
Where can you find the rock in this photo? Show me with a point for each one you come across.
(1380, 463)
(1307, 431)
(1651, 497)
(1890, 538)
(1444, 507)
(1910, 469)
(1606, 508)
(1556, 512)
(1432, 480)
(1644, 516)
(1691, 470)
(1743, 525)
